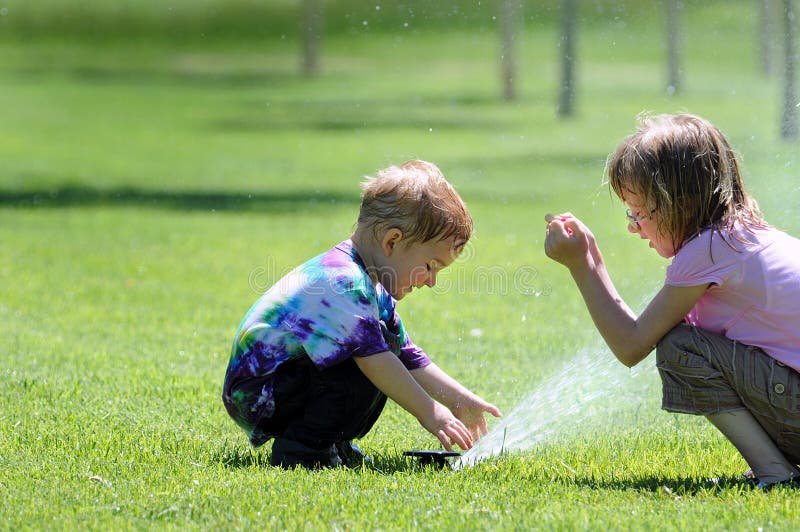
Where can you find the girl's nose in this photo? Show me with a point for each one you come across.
(633, 228)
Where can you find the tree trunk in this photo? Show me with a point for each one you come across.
(673, 46)
(508, 32)
(789, 120)
(566, 100)
(312, 29)
(765, 37)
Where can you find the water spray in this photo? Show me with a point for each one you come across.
(568, 404)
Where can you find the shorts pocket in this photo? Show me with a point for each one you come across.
(784, 391)
(753, 370)
(688, 365)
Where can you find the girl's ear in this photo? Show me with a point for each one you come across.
(390, 239)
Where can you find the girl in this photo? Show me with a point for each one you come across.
(726, 323)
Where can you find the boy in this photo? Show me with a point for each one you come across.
(316, 356)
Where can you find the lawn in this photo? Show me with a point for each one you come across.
(150, 191)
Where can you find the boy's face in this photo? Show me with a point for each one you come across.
(415, 264)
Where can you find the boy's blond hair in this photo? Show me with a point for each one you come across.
(416, 199)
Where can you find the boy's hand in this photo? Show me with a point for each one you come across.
(465, 405)
(470, 410)
(447, 427)
(389, 375)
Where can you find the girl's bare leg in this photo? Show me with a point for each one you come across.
(759, 451)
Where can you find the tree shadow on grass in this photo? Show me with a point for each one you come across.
(83, 196)
(426, 112)
(355, 124)
(97, 75)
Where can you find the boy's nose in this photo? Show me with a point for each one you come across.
(431, 281)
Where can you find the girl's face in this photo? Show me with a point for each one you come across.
(646, 225)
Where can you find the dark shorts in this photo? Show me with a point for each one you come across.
(318, 407)
(706, 373)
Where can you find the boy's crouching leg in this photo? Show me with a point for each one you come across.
(288, 454)
(339, 404)
(694, 367)
(351, 454)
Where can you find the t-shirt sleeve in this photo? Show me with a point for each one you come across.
(410, 354)
(342, 322)
(705, 259)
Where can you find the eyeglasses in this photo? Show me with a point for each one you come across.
(634, 219)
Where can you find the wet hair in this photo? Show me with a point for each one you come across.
(416, 199)
(682, 166)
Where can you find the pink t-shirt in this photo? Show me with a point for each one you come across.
(755, 295)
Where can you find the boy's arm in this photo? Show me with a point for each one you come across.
(630, 338)
(467, 406)
(389, 375)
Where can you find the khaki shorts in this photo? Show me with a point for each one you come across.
(706, 373)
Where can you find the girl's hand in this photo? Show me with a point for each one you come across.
(470, 410)
(444, 425)
(569, 242)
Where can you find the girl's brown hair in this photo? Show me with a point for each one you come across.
(415, 198)
(683, 167)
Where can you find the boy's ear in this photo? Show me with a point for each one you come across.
(390, 239)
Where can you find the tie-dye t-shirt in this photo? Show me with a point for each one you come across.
(327, 309)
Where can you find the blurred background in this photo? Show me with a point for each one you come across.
(303, 96)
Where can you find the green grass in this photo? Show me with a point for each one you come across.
(148, 192)
(233, 20)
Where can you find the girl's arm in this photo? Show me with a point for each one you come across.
(630, 338)
(466, 406)
(391, 377)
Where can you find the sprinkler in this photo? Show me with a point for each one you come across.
(439, 458)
